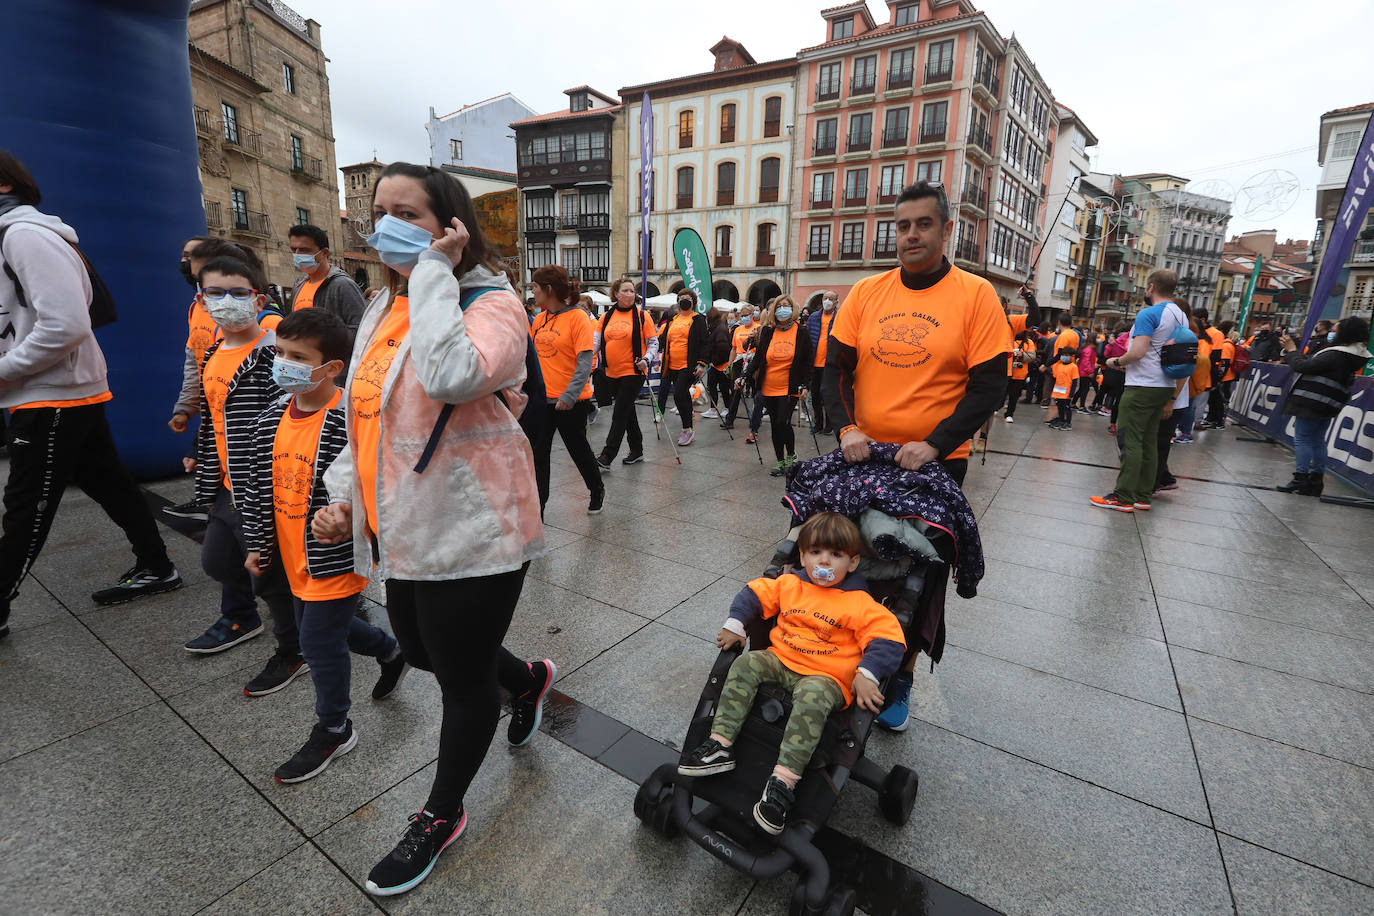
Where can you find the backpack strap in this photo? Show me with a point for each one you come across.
(9, 271)
(465, 299)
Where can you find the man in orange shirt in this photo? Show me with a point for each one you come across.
(322, 285)
(918, 356)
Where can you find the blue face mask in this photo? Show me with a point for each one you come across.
(783, 314)
(293, 377)
(822, 574)
(1331, 335)
(304, 262)
(747, 319)
(1066, 359)
(398, 243)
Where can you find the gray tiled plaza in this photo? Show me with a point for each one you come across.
(1170, 712)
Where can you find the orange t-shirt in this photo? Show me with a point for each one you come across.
(823, 631)
(777, 374)
(915, 350)
(740, 338)
(293, 478)
(1215, 337)
(1018, 373)
(219, 372)
(1228, 352)
(618, 335)
(365, 399)
(306, 297)
(1015, 325)
(1204, 354)
(679, 329)
(558, 339)
(201, 332)
(74, 402)
(1067, 338)
(826, 321)
(269, 321)
(1065, 374)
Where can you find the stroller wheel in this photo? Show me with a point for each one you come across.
(655, 809)
(841, 903)
(897, 796)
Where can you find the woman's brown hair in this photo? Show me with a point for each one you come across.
(617, 283)
(565, 289)
(448, 200)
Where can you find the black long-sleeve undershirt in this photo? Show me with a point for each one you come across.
(1032, 310)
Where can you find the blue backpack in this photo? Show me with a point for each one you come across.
(1178, 356)
(531, 420)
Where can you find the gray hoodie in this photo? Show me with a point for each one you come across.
(47, 349)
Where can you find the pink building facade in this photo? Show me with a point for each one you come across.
(934, 93)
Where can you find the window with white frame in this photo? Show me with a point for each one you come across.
(928, 171)
(1061, 282)
(1345, 144)
(1065, 250)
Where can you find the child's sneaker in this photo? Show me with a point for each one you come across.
(224, 634)
(137, 583)
(413, 858)
(281, 669)
(896, 714)
(709, 757)
(322, 747)
(772, 809)
(527, 710)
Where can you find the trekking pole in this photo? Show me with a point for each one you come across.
(749, 423)
(987, 430)
(806, 412)
(662, 420)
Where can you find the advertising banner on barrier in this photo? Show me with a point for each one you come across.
(1257, 403)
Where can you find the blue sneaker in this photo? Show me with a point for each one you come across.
(896, 712)
(224, 634)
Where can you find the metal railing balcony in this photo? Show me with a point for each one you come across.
(894, 137)
(251, 222)
(939, 72)
(901, 79)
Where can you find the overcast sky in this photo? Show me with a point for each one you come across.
(1219, 90)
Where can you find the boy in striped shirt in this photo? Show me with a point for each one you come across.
(297, 439)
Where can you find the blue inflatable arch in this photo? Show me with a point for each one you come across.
(97, 104)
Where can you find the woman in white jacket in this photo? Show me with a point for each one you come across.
(437, 487)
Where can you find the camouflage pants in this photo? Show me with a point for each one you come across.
(814, 698)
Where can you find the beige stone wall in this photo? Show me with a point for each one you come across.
(253, 41)
(620, 197)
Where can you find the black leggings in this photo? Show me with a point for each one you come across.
(780, 422)
(572, 426)
(718, 388)
(1086, 383)
(679, 382)
(1014, 386)
(454, 628)
(624, 421)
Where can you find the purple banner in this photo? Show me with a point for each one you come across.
(646, 190)
(1349, 220)
(1257, 402)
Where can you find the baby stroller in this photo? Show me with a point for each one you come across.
(717, 811)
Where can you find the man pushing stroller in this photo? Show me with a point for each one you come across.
(832, 645)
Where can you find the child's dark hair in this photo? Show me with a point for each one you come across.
(321, 328)
(233, 267)
(210, 249)
(830, 531)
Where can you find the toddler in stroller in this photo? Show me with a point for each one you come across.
(724, 814)
(832, 646)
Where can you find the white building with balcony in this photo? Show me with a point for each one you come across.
(1055, 268)
(723, 155)
(1339, 140)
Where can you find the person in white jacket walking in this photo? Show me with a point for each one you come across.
(52, 376)
(437, 486)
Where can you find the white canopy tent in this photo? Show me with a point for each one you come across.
(598, 298)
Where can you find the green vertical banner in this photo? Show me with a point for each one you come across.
(1249, 295)
(695, 265)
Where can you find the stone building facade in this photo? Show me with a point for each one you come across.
(263, 119)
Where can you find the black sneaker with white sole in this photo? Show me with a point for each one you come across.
(317, 752)
(191, 512)
(138, 583)
(527, 710)
(596, 502)
(224, 634)
(281, 670)
(393, 672)
(772, 809)
(632, 458)
(414, 857)
(604, 463)
(709, 757)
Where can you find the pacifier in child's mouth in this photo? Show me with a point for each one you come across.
(822, 574)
